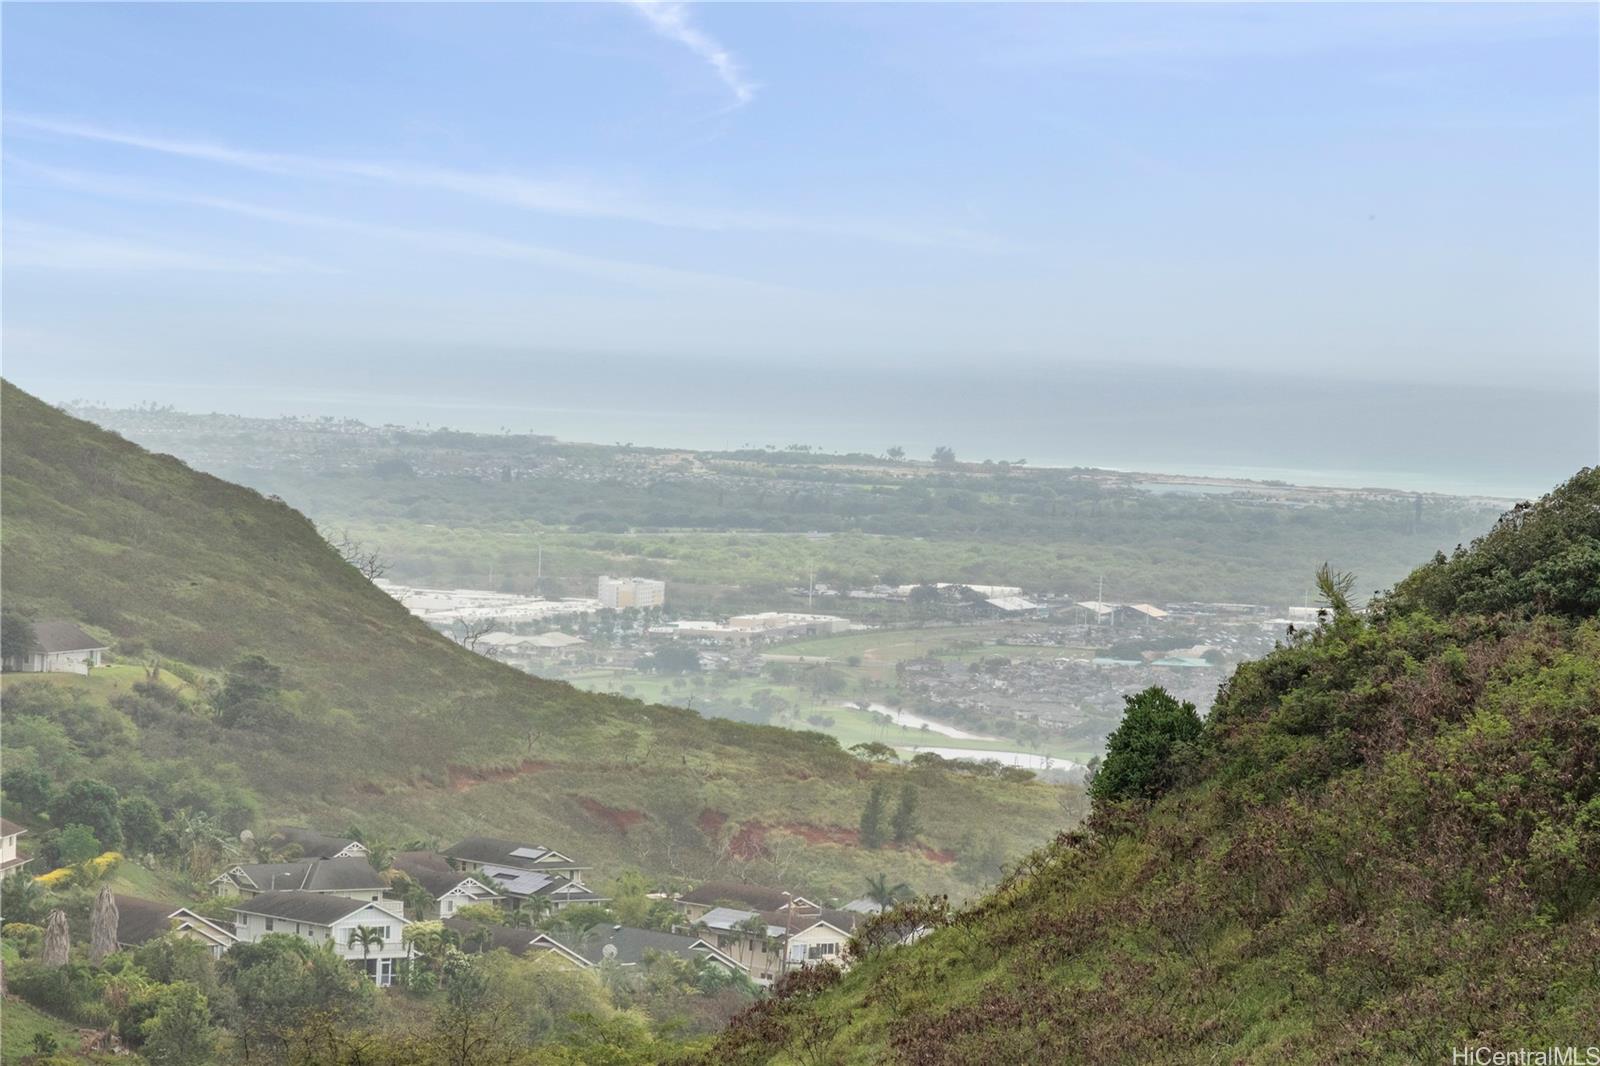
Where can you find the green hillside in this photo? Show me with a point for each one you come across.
(379, 721)
(1383, 844)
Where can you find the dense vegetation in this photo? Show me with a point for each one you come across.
(263, 679)
(1383, 843)
(475, 510)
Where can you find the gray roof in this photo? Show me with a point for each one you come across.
(314, 845)
(516, 941)
(755, 897)
(439, 882)
(518, 882)
(9, 828)
(51, 637)
(308, 875)
(628, 945)
(317, 908)
(509, 853)
(141, 920)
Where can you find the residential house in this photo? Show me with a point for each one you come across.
(140, 921)
(315, 845)
(9, 859)
(545, 890)
(627, 947)
(60, 648)
(523, 872)
(351, 878)
(474, 853)
(323, 918)
(448, 888)
(767, 941)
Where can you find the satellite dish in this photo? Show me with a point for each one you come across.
(609, 951)
(246, 837)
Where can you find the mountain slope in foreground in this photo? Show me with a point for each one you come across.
(1385, 844)
(384, 722)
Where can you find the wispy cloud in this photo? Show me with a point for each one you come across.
(42, 247)
(671, 20)
(549, 197)
(437, 240)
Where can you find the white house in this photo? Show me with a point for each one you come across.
(140, 921)
(9, 860)
(321, 918)
(449, 889)
(60, 648)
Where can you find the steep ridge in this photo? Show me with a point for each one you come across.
(383, 721)
(1383, 845)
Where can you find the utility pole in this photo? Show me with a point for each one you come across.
(538, 574)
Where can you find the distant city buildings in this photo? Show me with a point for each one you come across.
(746, 628)
(620, 593)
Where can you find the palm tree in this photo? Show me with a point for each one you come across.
(885, 895)
(367, 937)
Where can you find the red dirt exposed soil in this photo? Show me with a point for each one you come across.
(750, 842)
(465, 777)
(617, 818)
(711, 822)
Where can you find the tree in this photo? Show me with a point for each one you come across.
(896, 453)
(91, 803)
(366, 937)
(141, 824)
(28, 788)
(180, 1033)
(1142, 753)
(470, 634)
(872, 828)
(944, 456)
(17, 640)
(370, 564)
(1334, 589)
(885, 895)
(103, 926)
(904, 822)
(57, 940)
(71, 845)
(873, 751)
(251, 694)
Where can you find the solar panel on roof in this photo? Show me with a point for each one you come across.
(529, 853)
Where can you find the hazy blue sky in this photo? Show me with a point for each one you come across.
(243, 192)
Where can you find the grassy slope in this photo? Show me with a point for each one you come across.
(397, 723)
(1387, 845)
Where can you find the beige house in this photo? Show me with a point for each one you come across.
(768, 932)
(140, 921)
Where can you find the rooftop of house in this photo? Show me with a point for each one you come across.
(316, 845)
(514, 881)
(778, 923)
(438, 882)
(315, 908)
(307, 875)
(510, 853)
(483, 937)
(142, 920)
(50, 638)
(10, 829)
(754, 897)
(627, 946)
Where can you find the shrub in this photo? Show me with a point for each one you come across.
(1141, 755)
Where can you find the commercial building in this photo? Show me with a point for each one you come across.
(620, 593)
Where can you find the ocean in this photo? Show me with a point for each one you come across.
(1466, 440)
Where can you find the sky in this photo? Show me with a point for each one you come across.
(442, 198)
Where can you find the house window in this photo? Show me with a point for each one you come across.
(244, 920)
(821, 951)
(269, 925)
